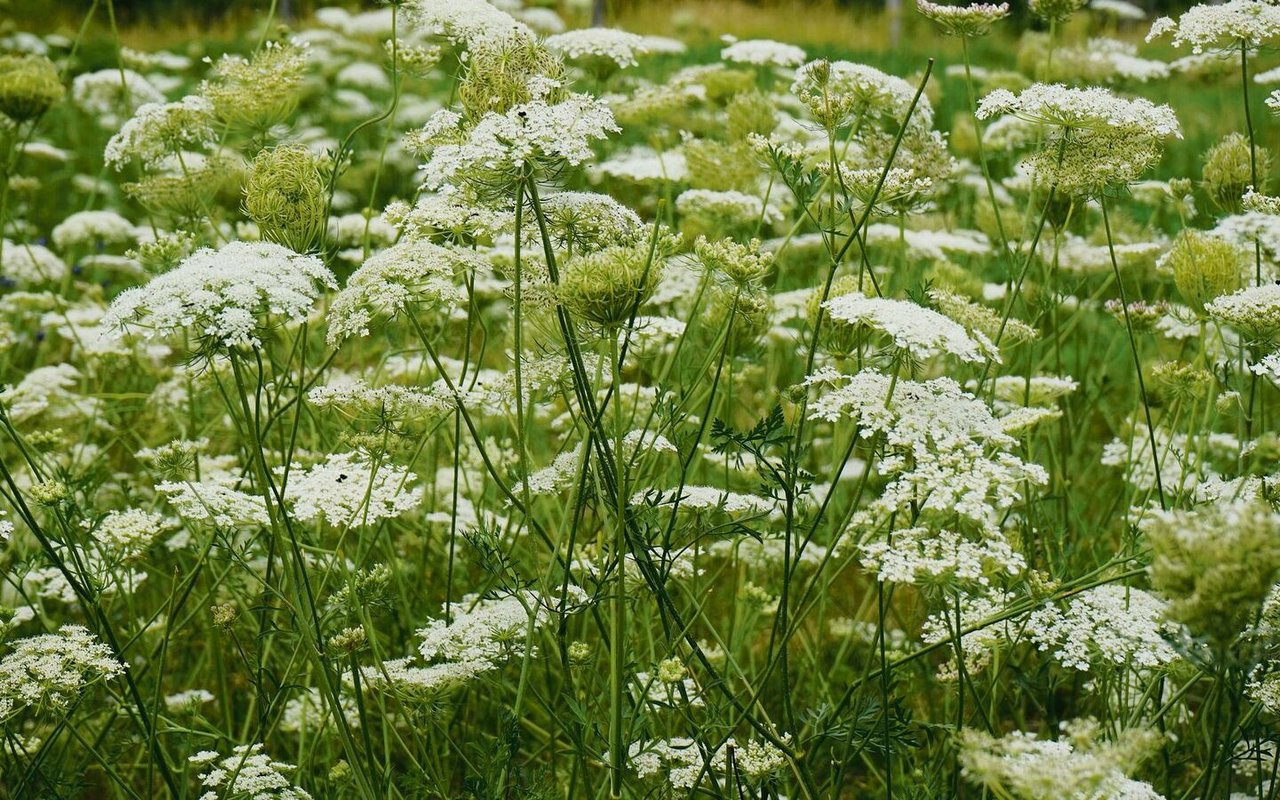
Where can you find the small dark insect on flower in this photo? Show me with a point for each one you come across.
(342, 476)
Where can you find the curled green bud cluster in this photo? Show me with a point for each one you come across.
(254, 94)
(748, 314)
(507, 71)
(29, 85)
(607, 286)
(1178, 381)
(1228, 172)
(285, 195)
(1203, 267)
(743, 265)
(164, 252)
(1215, 564)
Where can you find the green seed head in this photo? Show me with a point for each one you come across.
(1203, 266)
(1228, 172)
(607, 286)
(29, 85)
(285, 195)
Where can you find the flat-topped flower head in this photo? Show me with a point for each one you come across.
(1055, 10)
(490, 155)
(160, 130)
(764, 53)
(255, 93)
(919, 331)
(967, 21)
(1096, 138)
(52, 671)
(1254, 311)
(1252, 22)
(411, 272)
(598, 50)
(836, 92)
(229, 297)
(463, 22)
(1089, 109)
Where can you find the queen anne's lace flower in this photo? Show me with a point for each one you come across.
(764, 53)
(968, 21)
(159, 130)
(1083, 109)
(1254, 311)
(347, 490)
(1208, 25)
(499, 145)
(406, 274)
(248, 772)
(687, 766)
(225, 295)
(51, 671)
(1107, 624)
(1079, 765)
(589, 44)
(920, 331)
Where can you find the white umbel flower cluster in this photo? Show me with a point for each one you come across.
(1112, 624)
(348, 490)
(685, 765)
(247, 772)
(1090, 108)
(1023, 767)
(225, 295)
(919, 331)
(611, 44)
(51, 671)
(1221, 24)
(408, 273)
(764, 53)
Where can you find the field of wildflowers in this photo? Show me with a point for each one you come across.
(452, 400)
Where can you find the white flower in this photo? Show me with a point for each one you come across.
(130, 532)
(1254, 311)
(920, 555)
(347, 490)
(971, 20)
(248, 772)
(30, 264)
(1227, 24)
(687, 766)
(500, 144)
(462, 21)
(1091, 108)
(225, 294)
(920, 331)
(409, 273)
(112, 95)
(52, 671)
(1110, 623)
(159, 130)
(764, 53)
(609, 44)
(1078, 765)
(217, 500)
(88, 228)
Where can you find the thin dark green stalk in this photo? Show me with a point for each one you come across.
(1133, 347)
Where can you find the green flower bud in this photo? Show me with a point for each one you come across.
(607, 286)
(1227, 171)
(1203, 266)
(254, 94)
(29, 85)
(285, 195)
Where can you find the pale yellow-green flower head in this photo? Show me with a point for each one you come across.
(1227, 171)
(607, 286)
(1203, 267)
(29, 85)
(285, 194)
